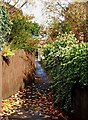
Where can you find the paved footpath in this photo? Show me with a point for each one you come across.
(38, 101)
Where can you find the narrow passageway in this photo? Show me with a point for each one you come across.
(38, 100)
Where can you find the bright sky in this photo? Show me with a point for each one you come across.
(36, 10)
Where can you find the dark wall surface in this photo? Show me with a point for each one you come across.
(15, 71)
(80, 103)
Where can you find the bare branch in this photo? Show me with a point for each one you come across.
(16, 3)
(12, 6)
(9, 1)
(23, 4)
(61, 6)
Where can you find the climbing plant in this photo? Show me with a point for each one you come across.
(66, 62)
(5, 24)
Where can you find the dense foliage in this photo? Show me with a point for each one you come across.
(4, 25)
(76, 14)
(22, 33)
(17, 31)
(75, 19)
(66, 62)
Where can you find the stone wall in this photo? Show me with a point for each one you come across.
(16, 71)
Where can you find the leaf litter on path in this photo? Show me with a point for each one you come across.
(32, 100)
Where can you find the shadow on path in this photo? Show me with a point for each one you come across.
(37, 101)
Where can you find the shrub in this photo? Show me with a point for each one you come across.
(22, 34)
(23, 31)
(6, 50)
(67, 63)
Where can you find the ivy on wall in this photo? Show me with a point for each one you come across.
(66, 62)
(5, 24)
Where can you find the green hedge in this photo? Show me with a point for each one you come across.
(67, 63)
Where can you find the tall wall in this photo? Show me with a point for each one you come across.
(15, 72)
